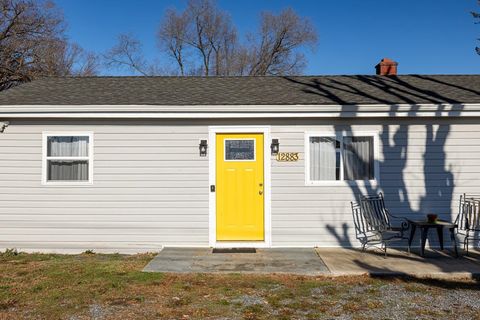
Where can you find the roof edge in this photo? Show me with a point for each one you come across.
(263, 76)
(241, 111)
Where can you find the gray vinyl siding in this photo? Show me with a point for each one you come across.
(150, 186)
(149, 189)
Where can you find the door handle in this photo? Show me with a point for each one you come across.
(260, 192)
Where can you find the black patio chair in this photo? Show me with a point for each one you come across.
(373, 223)
(468, 219)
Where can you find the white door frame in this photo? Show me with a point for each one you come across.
(212, 221)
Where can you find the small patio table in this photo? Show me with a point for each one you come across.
(424, 226)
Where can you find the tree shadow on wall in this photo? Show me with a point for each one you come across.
(427, 185)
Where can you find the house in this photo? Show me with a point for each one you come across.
(131, 164)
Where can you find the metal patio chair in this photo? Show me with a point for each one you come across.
(373, 223)
(468, 219)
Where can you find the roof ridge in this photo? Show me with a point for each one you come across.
(256, 77)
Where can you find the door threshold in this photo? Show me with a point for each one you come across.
(240, 244)
(234, 250)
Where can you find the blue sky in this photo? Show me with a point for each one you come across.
(424, 36)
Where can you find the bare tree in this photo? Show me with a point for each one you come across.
(204, 30)
(69, 59)
(127, 53)
(223, 39)
(476, 16)
(274, 51)
(241, 61)
(27, 30)
(81, 62)
(33, 44)
(199, 12)
(171, 36)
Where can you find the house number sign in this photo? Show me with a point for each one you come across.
(287, 156)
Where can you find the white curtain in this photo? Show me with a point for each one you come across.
(358, 158)
(67, 170)
(67, 146)
(322, 158)
(64, 169)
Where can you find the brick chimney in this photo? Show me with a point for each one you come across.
(386, 67)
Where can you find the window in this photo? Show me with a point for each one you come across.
(324, 158)
(340, 157)
(358, 158)
(239, 150)
(67, 157)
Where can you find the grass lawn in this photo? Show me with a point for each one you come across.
(96, 286)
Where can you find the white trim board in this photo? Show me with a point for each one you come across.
(240, 107)
(212, 227)
(236, 115)
(239, 111)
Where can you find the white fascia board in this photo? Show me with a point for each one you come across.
(232, 115)
(240, 111)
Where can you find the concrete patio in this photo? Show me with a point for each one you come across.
(318, 261)
(435, 264)
(292, 261)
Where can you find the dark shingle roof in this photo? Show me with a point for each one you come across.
(321, 90)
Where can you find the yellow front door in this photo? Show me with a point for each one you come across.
(239, 187)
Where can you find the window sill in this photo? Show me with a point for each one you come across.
(67, 183)
(342, 183)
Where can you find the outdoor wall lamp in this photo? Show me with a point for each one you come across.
(203, 148)
(275, 147)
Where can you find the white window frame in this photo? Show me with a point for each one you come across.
(339, 136)
(89, 158)
(239, 160)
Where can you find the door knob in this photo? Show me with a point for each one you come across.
(260, 192)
